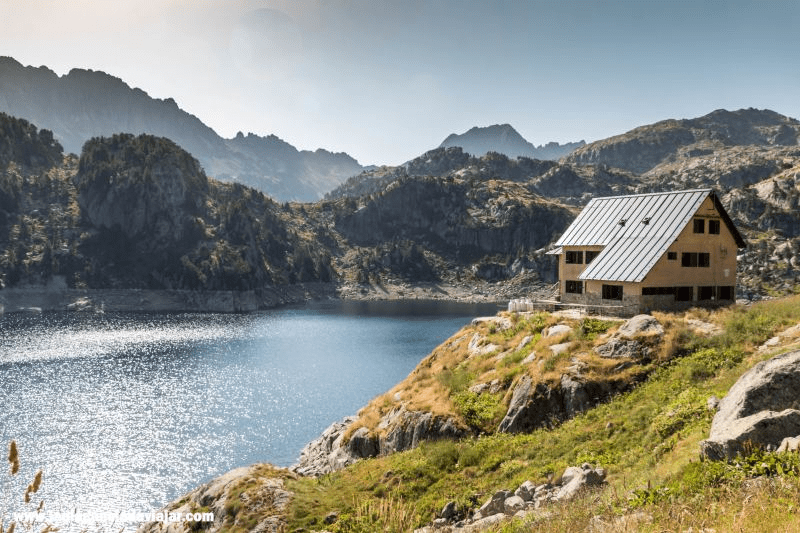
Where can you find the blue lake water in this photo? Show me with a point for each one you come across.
(124, 412)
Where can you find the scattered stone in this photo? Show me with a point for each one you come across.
(331, 518)
(529, 359)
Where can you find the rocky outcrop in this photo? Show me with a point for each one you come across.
(536, 405)
(397, 431)
(635, 339)
(762, 407)
(235, 499)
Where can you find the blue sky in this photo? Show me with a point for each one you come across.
(387, 80)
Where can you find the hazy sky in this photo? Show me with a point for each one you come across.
(387, 80)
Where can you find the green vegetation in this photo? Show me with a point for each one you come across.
(647, 439)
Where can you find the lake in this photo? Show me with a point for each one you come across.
(125, 412)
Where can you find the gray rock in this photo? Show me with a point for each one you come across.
(513, 504)
(502, 323)
(641, 325)
(558, 329)
(449, 511)
(479, 346)
(495, 504)
(561, 348)
(524, 342)
(526, 491)
(789, 444)
(767, 428)
(761, 407)
(479, 388)
(617, 348)
(576, 478)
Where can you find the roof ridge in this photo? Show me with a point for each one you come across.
(708, 189)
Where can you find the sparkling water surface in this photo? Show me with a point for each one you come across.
(125, 412)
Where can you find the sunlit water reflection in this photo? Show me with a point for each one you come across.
(126, 412)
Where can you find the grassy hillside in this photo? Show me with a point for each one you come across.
(647, 439)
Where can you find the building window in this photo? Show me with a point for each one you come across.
(692, 259)
(725, 292)
(705, 293)
(684, 294)
(573, 258)
(658, 291)
(672, 256)
(574, 287)
(713, 227)
(590, 256)
(612, 292)
(699, 225)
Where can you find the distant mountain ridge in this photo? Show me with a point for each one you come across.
(644, 148)
(504, 139)
(84, 104)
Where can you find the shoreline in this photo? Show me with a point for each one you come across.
(43, 298)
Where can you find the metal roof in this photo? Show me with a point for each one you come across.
(636, 230)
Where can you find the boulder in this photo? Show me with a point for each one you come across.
(641, 325)
(558, 329)
(501, 322)
(526, 491)
(495, 504)
(513, 504)
(560, 348)
(762, 407)
(576, 478)
(619, 348)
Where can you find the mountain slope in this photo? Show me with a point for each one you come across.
(84, 104)
(646, 147)
(504, 139)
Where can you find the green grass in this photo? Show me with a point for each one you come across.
(647, 439)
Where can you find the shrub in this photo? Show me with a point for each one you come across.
(480, 411)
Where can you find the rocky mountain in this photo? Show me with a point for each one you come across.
(84, 104)
(139, 212)
(646, 147)
(504, 139)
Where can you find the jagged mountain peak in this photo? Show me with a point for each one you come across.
(504, 139)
